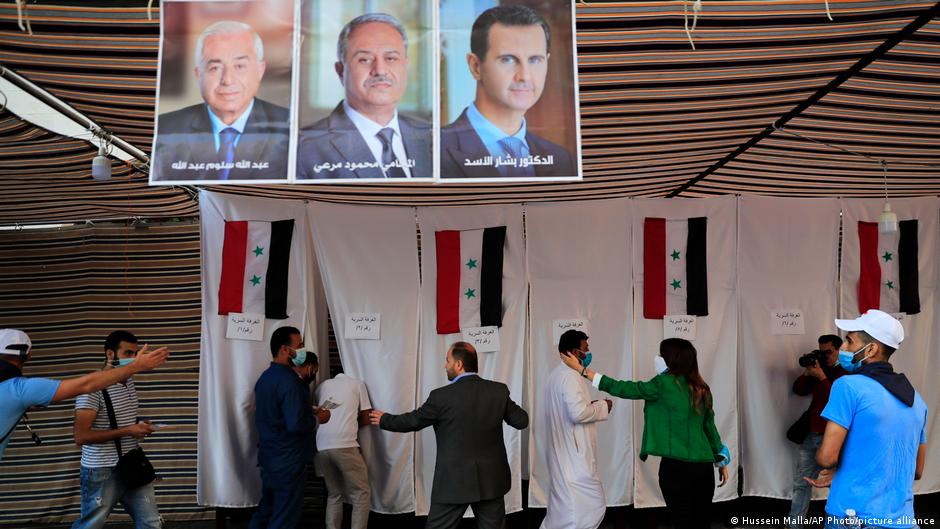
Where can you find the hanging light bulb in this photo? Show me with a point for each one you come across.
(888, 220)
(101, 164)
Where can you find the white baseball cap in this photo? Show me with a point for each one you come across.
(878, 324)
(14, 342)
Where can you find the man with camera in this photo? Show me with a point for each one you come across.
(820, 369)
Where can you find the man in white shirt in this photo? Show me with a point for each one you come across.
(365, 136)
(339, 458)
(576, 496)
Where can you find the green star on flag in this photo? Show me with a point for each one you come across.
(255, 280)
(676, 284)
(674, 255)
(471, 263)
(258, 251)
(887, 256)
(890, 285)
(470, 293)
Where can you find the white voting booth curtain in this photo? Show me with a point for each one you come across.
(579, 264)
(368, 259)
(505, 365)
(227, 453)
(787, 264)
(917, 357)
(716, 334)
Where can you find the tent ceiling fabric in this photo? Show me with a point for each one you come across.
(655, 113)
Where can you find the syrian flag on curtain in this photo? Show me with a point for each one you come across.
(469, 278)
(675, 276)
(255, 258)
(888, 277)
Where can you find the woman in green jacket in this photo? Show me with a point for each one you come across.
(678, 426)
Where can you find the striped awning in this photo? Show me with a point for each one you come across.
(658, 118)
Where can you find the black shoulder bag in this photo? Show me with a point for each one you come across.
(800, 429)
(133, 468)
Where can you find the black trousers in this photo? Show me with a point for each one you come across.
(489, 514)
(688, 489)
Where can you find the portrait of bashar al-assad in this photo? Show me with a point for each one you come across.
(232, 134)
(365, 136)
(510, 48)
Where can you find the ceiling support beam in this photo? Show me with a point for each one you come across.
(862, 63)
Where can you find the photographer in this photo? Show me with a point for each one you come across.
(820, 369)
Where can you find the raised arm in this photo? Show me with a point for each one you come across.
(145, 361)
(413, 421)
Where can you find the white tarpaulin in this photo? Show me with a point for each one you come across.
(505, 365)
(580, 270)
(717, 334)
(787, 268)
(368, 259)
(227, 452)
(917, 357)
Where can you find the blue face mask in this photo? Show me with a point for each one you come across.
(586, 361)
(845, 359)
(301, 356)
(121, 362)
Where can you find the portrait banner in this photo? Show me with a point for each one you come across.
(223, 92)
(316, 92)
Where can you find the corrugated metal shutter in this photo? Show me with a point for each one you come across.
(68, 289)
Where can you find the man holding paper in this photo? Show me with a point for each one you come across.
(285, 422)
(339, 459)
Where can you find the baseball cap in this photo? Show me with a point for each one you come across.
(14, 342)
(878, 324)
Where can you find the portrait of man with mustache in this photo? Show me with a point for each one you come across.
(509, 54)
(365, 136)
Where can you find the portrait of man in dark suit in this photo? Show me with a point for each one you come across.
(509, 53)
(471, 467)
(365, 136)
(233, 134)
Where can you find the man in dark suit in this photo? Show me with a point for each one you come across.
(471, 467)
(509, 55)
(365, 136)
(233, 135)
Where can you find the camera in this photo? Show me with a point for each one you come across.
(812, 358)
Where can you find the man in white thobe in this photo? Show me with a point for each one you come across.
(576, 496)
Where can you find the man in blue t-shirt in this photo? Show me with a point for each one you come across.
(19, 393)
(875, 442)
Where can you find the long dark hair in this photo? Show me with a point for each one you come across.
(682, 360)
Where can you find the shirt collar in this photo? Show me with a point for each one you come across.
(490, 133)
(239, 124)
(366, 126)
(458, 377)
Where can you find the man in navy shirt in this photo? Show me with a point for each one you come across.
(285, 421)
(875, 442)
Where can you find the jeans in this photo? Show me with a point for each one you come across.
(102, 490)
(806, 467)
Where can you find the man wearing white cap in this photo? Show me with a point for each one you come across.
(875, 442)
(19, 393)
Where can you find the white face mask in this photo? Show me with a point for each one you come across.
(660, 365)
